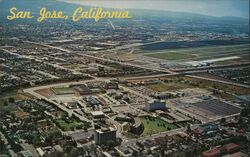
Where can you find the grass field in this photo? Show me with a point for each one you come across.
(62, 90)
(162, 87)
(202, 53)
(175, 83)
(170, 55)
(153, 125)
(69, 126)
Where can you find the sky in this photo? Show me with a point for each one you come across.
(237, 8)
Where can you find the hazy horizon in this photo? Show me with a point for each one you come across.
(219, 8)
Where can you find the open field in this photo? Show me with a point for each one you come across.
(202, 53)
(45, 92)
(163, 86)
(217, 85)
(154, 125)
(175, 83)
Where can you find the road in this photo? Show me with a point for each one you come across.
(188, 74)
(102, 59)
(62, 107)
(169, 73)
(220, 81)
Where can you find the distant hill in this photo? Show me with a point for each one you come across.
(228, 24)
(35, 5)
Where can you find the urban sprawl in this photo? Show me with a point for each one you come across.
(125, 88)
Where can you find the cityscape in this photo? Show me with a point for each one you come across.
(164, 84)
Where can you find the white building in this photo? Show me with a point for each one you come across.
(104, 135)
(155, 105)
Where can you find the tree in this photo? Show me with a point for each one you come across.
(36, 140)
(84, 150)
(11, 100)
(245, 112)
(64, 116)
(55, 154)
(72, 128)
(2, 146)
(16, 147)
(74, 152)
(67, 148)
(189, 128)
(5, 103)
(111, 144)
(240, 121)
(223, 121)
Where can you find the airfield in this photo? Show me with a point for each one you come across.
(208, 54)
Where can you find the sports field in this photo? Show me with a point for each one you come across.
(62, 90)
(201, 53)
(153, 125)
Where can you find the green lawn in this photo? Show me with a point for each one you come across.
(62, 90)
(71, 125)
(155, 125)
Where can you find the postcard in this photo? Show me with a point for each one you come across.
(124, 78)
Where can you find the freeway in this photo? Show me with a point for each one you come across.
(188, 74)
(215, 67)
(169, 73)
(102, 59)
(220, 81)
(149, 76)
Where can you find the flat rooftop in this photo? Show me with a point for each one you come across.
(97, 113)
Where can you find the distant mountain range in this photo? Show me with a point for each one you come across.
(35, 6)
(238, 24)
